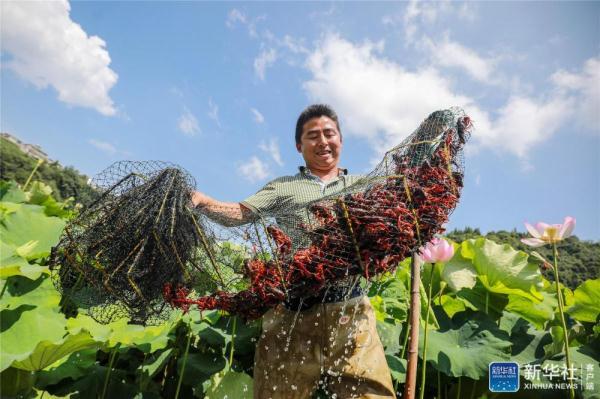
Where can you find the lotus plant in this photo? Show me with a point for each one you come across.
(436, 251)
(544, 234)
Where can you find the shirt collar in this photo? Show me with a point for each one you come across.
(306, 172)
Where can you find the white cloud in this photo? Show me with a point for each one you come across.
(103, 146)
(258, 117)
(377, 99)
(419, 13)
(264, 60)
(234, 17)
(382, 102)
(524, 122)
(272, 148)
(50, 49)
(585, 87)
(294, 45)
(188, 124)
(213, 112)
(254, 170)
(448, 53)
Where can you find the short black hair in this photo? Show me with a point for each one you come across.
(315, 111)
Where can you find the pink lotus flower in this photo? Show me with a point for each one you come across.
(544, 233)
(437, 250)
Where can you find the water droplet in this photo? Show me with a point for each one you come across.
(274, 387)
(294, 387)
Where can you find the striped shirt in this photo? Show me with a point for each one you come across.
(286, 199)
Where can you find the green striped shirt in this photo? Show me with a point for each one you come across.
(286, 199)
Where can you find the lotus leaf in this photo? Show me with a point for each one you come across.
(200, 366)
(397, 367)
(534, 311)
(466, 345)
(27, 330)
(503, 269)
(75, 366)
(230, 385)
(11, 192)
(29, 223)
(586, 305)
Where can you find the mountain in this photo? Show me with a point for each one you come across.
(18, 160)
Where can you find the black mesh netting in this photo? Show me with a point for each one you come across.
(142, 249)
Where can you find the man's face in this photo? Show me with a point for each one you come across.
(320, 143)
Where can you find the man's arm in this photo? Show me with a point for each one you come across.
(226, 213)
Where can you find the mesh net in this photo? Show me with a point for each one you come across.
(141, 249)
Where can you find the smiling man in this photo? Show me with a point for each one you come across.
(330, 339)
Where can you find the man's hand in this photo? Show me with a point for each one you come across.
(225, 213)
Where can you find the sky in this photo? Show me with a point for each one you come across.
(216, 87)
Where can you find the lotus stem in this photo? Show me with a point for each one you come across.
(458, 389)
(185, 356)
(232, 342)
(111, 361)
(415, 309)
(439, 385)
(426, 329)
(35, 168)
(563, 321)
(405, 341)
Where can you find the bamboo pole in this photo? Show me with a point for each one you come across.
(415, 310)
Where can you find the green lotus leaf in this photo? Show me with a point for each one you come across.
(402, 288)
(528, 343)
(459, 273)
(390, 300)
(451, 305)
(466, 345)
(16, 383)
(83, 322)
(13, 262)
(41, 194)
(479, 298)
(29, 223)
(586, 306)
(146, 338)
(397, 367)
(11, 192)
(219, 334)
(75, 366)
(503, 269)
(230, 384)
(156, 362)
(200, 366)
(211, 336)
(389, 333)
(27, 327)
(91, 385)
(534, 311)
(46, 352)
(36, 293)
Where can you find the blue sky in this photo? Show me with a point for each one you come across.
(217, 87)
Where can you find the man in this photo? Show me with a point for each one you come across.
(328, 340)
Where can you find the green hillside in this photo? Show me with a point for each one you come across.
(65, 181)
(579, 260)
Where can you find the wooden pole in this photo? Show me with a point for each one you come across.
(410, 387)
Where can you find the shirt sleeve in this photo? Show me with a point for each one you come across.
(263, 201)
